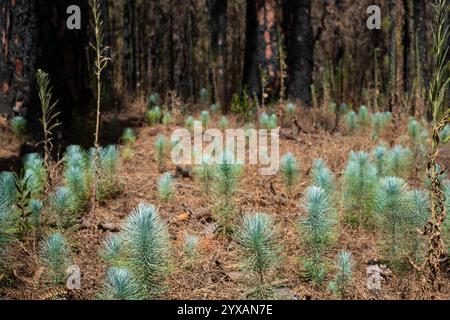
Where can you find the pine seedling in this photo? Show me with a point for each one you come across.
(54, 257)
(120, 285)
(268, 122)
(387, 118)
(35, 174)
(6, 220)
(317, 231)
(22, 206)
(379, 123)
(8, 189)
(190, 248)
(223, 123)
(167, 118)
(111, 250)
(189, 123)
(154, 100)
(416, 219)
(214, 108)
(360, 183)
(352, 122)
(128, 137)
(344, 274)
(205, 175)
(154, 116)
(78, 174)
(290, 112)
(379, 156)
(19, 126)
(77, 186)
(205, 119)
(391, 207)
(7, 216)
(204, 95)
(145, 249)
(258, 240)
(36, 207)
(109, 182)
(323, 177)
(290, 172)
(343, 108)
(160, 150)
(226, 187)
(415, 132)
(62, 204)
(364, 116)
(166, 188)
(398, 162)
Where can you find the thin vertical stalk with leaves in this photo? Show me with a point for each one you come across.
(48, 120)
(438, 87)
(101, 62)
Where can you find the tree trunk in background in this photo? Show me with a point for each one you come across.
(262, 52)
(300, 47)
(420, 36)
(35, 36)
(218, 32)
(18, 56)
(129, 61)
(406, 46)
(63, 54)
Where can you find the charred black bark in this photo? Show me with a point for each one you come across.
(129, 60)
(218, 27)
(262, 51)
(18, 56)
(36, 37)
(419, 9)
(300, 48)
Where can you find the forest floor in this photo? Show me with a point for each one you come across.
(216, 273)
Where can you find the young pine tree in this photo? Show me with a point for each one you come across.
(323, 177)
(120, 285)
(35, 174)
(54, 256)
(290, 172)
(398, 162)
(392, 209)
(166, 188)
(143, 247)
(416, 219)
(344, 274)
(318, 232)
(226, 187)
(360, 183)
(261, 249)
(205, 175)
(379, 157)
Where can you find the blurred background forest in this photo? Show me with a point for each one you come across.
(316, 52)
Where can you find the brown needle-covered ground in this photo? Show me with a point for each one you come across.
(216, 274)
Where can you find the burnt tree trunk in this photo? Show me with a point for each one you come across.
(218, 28)
(129, 40)
(35, 37)
(420, 28)
(18, 55)
(262, 51)
(300, 47)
